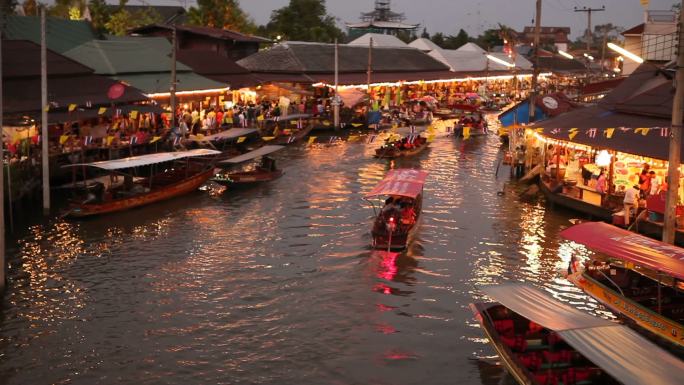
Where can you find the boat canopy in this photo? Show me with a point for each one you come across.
(261, 151)
(403, 182)
(618, 243)
(226, 135)
(620, 351)
(144, 160)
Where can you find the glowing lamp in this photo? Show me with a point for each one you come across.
(624, 52)
(603, 158)
(567, 55)
(500, 61)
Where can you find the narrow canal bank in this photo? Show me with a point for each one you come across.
(277, 284)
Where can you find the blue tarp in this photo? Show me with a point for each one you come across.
(520, 114)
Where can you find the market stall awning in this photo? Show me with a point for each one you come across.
(144, 160)
(401, 182)
(618, 243)
(591, 126)
(361, 78)
(91, 113)
(261, 151)
(621, 352)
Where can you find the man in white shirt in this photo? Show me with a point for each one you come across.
(631, 201)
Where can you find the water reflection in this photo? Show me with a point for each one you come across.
(278, 284)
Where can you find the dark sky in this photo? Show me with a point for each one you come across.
(477, 15)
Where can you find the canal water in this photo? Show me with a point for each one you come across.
(277, 284)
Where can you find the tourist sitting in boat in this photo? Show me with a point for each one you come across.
(408, 213)
(268, 164)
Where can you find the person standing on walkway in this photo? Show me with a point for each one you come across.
(630, 202)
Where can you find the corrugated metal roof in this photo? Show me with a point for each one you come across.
(470, 60)
(152, 83)
(217, 33)
(112, 57)
(62, 34)
(302, 57)
(424, 44)
(68, 81)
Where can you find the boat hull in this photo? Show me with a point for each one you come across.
(248, 177)
(182, 187)
(395, 153)
(640, 316)
(593, 211)
(521, 375)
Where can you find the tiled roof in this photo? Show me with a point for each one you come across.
(636, 30)
(300, 57)
(62, 34)
(216, 33)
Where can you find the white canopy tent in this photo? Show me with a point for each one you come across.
(144, 160)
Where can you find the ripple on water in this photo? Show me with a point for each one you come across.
(277, 284)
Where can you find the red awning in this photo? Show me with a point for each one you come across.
(615, 242)
(402, 182)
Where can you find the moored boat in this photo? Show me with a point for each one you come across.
(397, 220)
(265, 171)
(180, 177)
(542, 341)
(408, 146)
(587, 201)
(639, 278)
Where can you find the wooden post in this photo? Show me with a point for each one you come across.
(611, 170)
(2, 178)
(535, 72)
(672, 197)
(173, 81)
(44, 114)
(370, 68)
(336, 99)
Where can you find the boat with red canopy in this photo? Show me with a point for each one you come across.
(396, 221)
(640, 278)
(542, 341)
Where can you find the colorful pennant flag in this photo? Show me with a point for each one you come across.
(110, 139)
(291, 139)
(591, 132)
(72, 107)
(664, 131)
(643, 130)
(311, 139)
(87, 140)
(357, 124)
(333, 139)
(133, 114)
(466, 132)
(241, 139)
(267, 138)
(102, 110)
(608, 132)
(155, 139)
(353, 138)
(63, 139)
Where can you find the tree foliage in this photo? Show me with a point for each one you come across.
(8, 6)
(121, 21)
(305, 20)
(99, 14)
(30, 7)
(221, 14)
(451, 41)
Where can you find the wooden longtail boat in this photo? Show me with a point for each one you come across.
(553, 192)
(174, 181)
(640, 279)
(264, 172)
(542, 341)
(396, 150)
(396, 222)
